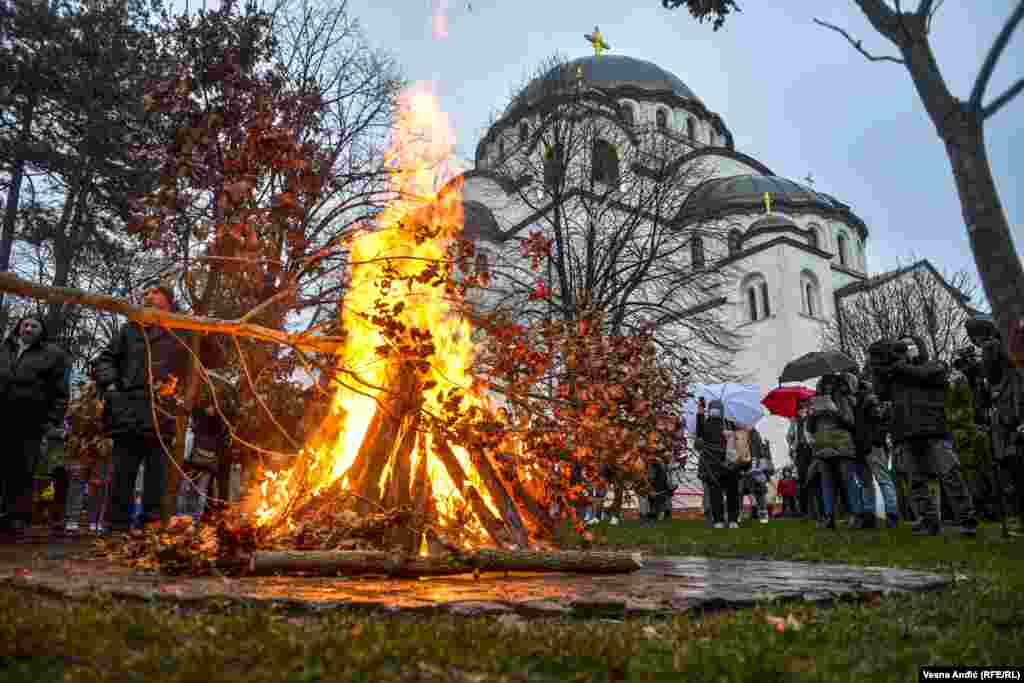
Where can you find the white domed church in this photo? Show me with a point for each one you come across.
(782, 251)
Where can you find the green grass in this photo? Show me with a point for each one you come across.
(978, 621)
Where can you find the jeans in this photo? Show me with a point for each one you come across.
(130, 451)
(75, 500)
(849, 474)
(879, 467)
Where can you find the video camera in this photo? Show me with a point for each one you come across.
(886, 353)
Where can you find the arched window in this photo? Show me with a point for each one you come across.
(524, 132)
(628, 114)
(661, 119)
(813, 237)
(697, 252)
(862, 260)
(691, 130)
(604, 167)
(754, 293)
(810, 294)
(735, 239)
(841, 247)
(553, 165)
(501, 148)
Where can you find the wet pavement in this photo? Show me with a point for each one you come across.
(664, 585)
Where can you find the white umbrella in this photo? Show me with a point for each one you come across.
(741, 403)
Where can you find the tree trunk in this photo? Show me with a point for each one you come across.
(960, 125)
(14, 196)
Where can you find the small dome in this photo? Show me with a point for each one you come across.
(772, 222)
(746, 192)
(609, 72)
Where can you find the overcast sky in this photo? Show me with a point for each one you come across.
(796, 96)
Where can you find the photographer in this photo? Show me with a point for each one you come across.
(916, 387)
(831, 430)
(999, 401)
(871, 430)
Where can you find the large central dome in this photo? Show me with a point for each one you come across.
(608, 72)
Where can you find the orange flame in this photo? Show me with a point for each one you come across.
(421, 162)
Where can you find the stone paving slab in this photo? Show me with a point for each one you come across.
(664, 585)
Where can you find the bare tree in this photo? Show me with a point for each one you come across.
(913, 300)
(606, 193)
(960, 124)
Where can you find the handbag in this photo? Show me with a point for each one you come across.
(203, 458)
(743, 451)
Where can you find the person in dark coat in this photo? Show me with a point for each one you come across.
(33, 400)
(721, 481)
(131, 371)
(917, 388)
(831, 429)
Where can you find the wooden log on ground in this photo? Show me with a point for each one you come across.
(332, 563)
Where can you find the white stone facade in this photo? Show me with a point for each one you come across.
(798, 278)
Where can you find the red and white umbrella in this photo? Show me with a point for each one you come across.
(784, 401)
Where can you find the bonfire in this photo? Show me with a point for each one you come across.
(403, 475)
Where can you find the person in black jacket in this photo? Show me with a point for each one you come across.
(33, 400)
(720, 480)
(130, 371)
(917, 389)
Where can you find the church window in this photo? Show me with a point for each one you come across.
(754, 290)
(813, 238)
(501, 148)
(697, 252)
(861, 258)
(691, 129)
(524, 132)
(841, 247)
(604, 163)
(628, 114)
(810, 294)
(735, 239)
(553, 165)
(661, 119)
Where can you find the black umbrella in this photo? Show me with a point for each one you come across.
(816, 364)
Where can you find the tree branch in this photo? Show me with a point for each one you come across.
(994, 53)
(173, 321)
(1000, 101)
(857, 44)
(924, 8)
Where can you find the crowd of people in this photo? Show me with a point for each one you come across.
(884, 428)
(125, 424)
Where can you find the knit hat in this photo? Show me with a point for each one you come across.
(167, 292)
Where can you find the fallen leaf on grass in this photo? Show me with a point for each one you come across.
(800, 665)
(780, 624)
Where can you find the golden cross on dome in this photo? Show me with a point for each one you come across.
(596, 41)
(767, 202)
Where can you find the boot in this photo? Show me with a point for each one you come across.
(868, 521)
(969, 527)
(927, 527)
(892, 520)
